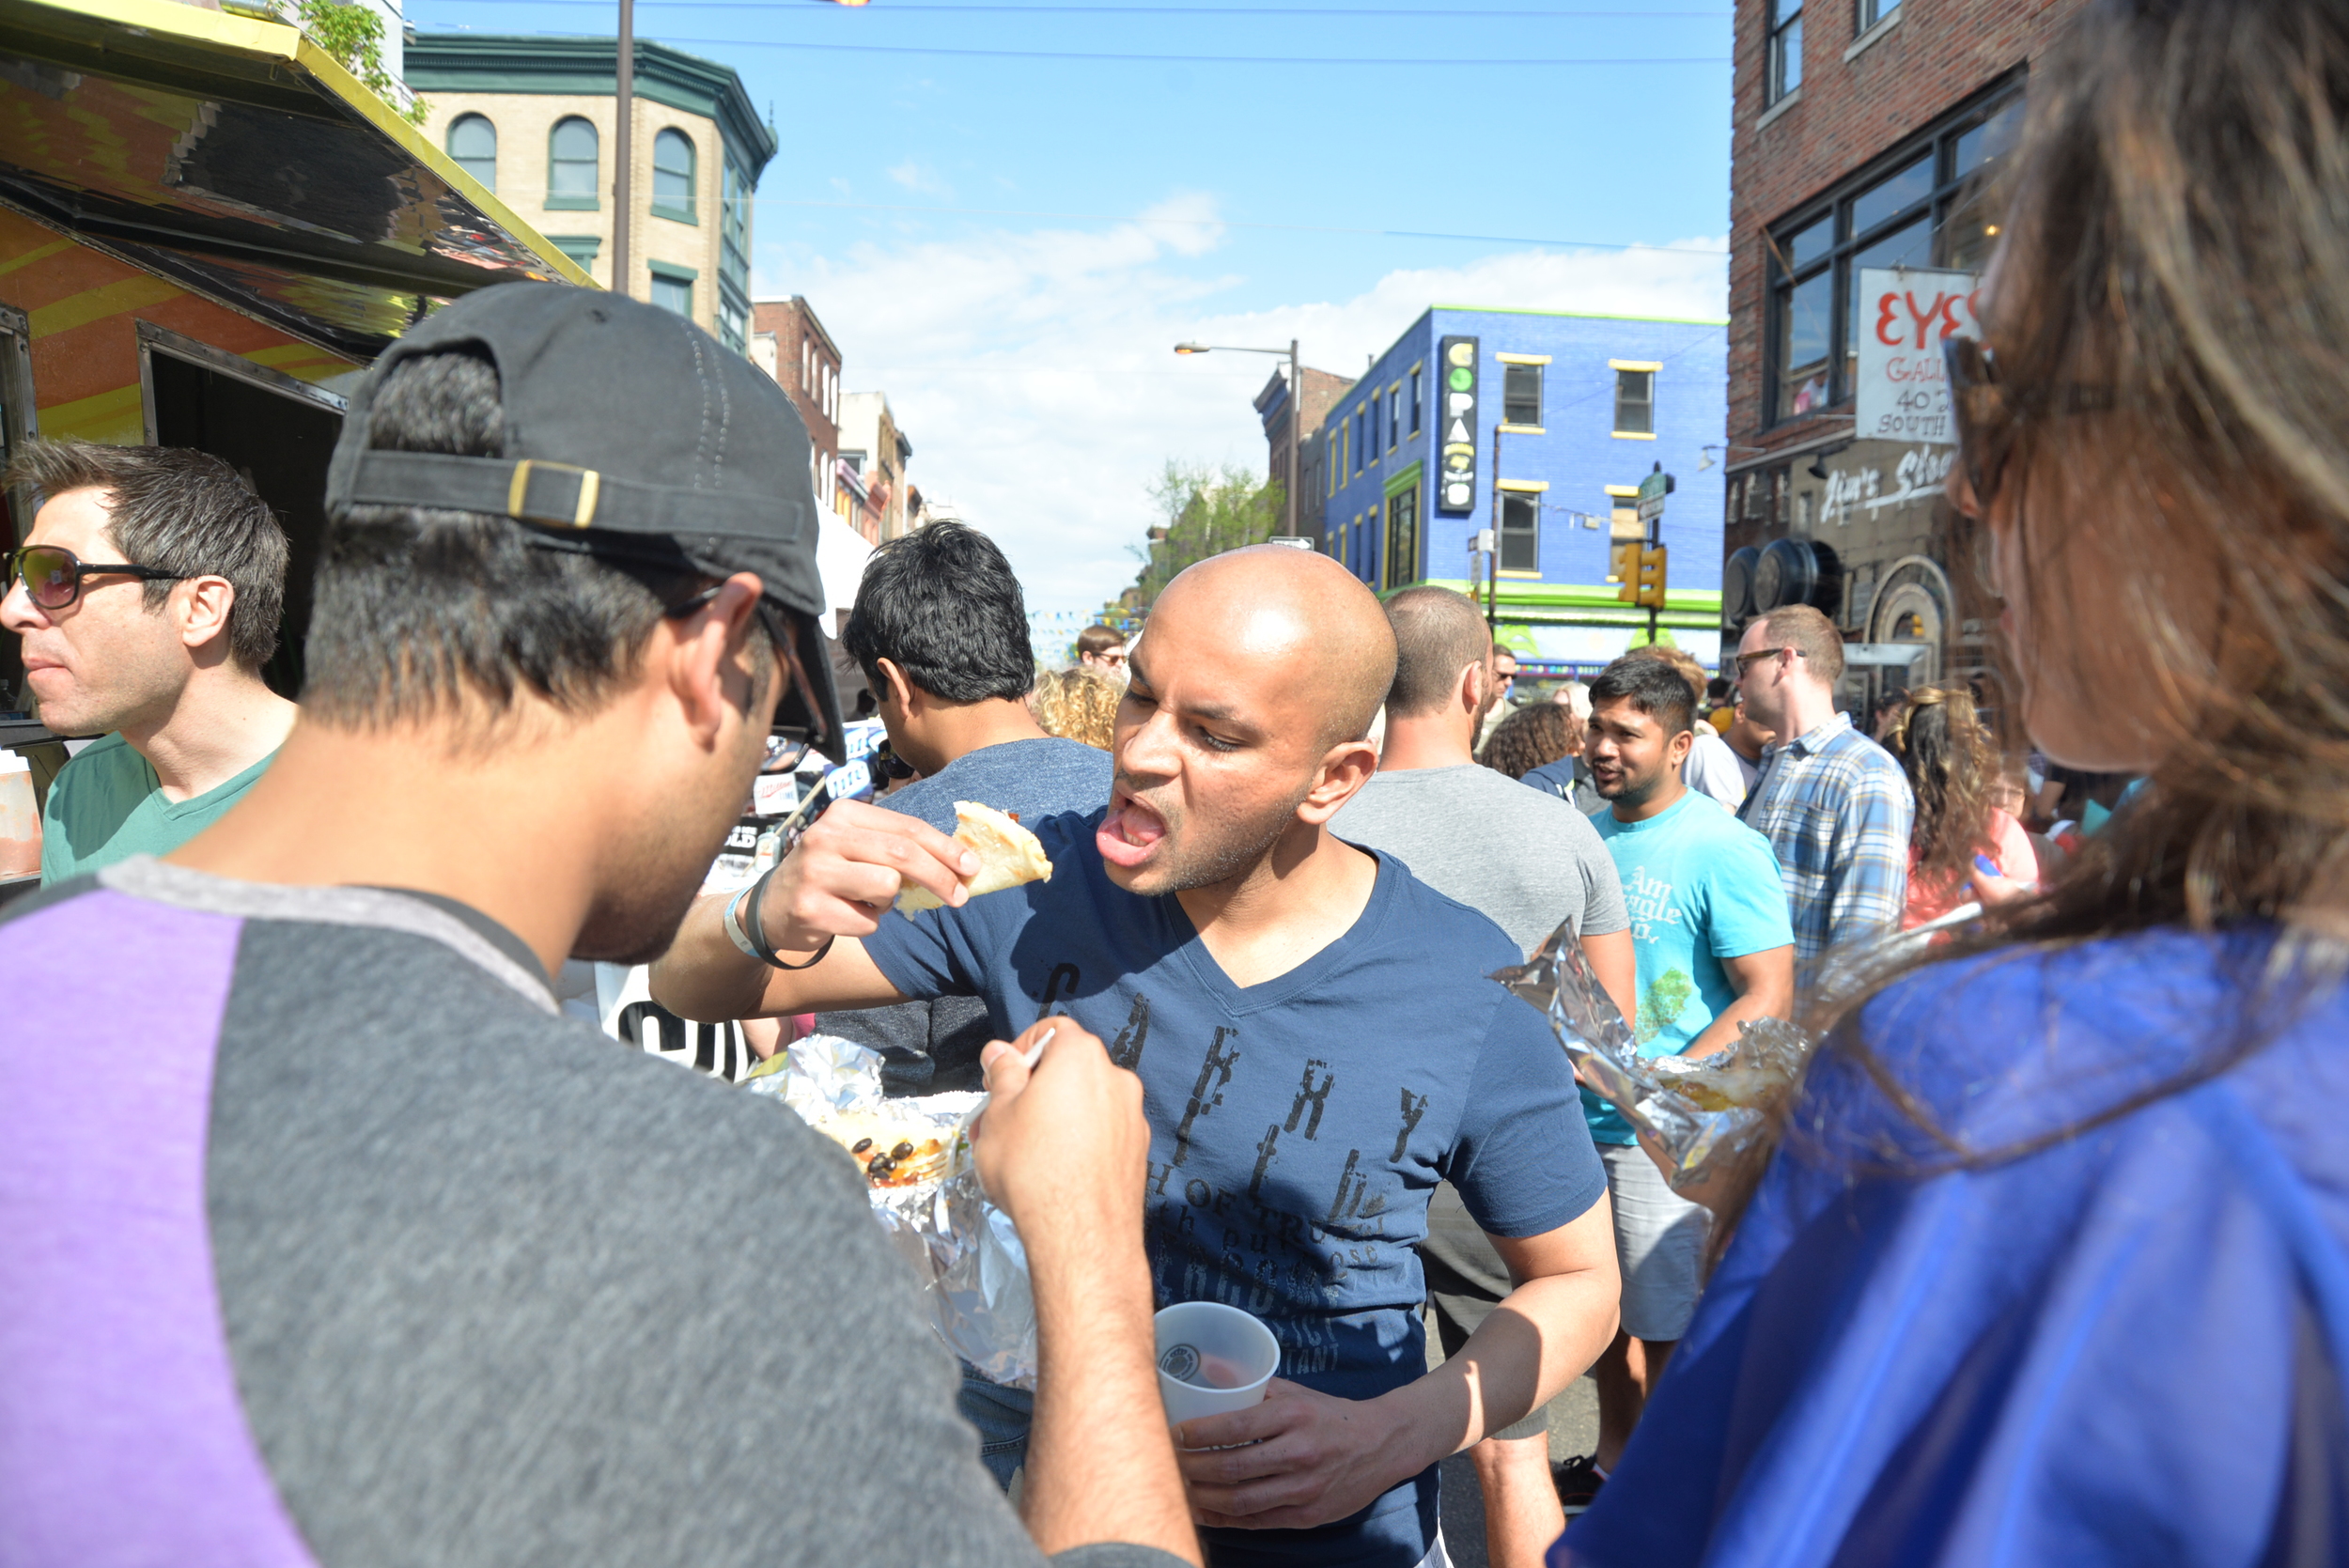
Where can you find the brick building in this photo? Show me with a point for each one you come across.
(1322, 390)
(1865, 131)
(791, 345)
(874, 451)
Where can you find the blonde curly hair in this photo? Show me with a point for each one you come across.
(1077, 705)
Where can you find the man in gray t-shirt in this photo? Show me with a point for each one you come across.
(1528, 862)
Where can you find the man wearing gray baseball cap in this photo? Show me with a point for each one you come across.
(370, 1256)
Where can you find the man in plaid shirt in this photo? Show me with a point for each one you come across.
(1834, 805)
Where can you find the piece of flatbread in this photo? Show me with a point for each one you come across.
(1009, 855)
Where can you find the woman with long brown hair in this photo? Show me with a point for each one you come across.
(2051, 1265)
(1962, 846)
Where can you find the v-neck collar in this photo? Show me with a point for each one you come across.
(1239, 1000)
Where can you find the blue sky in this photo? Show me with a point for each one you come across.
(1009, 245)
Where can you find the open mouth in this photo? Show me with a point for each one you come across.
(1129, 833)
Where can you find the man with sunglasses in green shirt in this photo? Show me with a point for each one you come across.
(146, 597)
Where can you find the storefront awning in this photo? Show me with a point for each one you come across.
(237, 159)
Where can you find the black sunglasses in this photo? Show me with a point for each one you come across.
(1988, 412)
(53, 575)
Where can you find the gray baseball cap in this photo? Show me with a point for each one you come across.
(631, 434)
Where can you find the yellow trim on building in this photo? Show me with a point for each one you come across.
(1522, 359)
(1628, 492)
(1635, 364)
(1633, 435)
(1530, 486)
(1523, 430)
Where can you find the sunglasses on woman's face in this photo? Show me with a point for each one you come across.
(1988, 412)
(53, 575)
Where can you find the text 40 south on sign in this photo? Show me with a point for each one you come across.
(1903, 391)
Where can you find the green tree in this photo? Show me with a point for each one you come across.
(354, 36)
(1208, 510)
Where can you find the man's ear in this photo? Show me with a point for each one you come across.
(1475, 680)
(1676, 750)
(1345, 768)
(202, 605)
(900, 688)
(710, 668)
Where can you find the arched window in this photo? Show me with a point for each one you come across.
(672, 176)
(473, 142)
(571, 166)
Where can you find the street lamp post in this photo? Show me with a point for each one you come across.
(624, 147)
(1296, 414)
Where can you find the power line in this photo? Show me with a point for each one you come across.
(1188, 59)
(1234, 222)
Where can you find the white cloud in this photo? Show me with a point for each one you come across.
(914, 176)
(1034, 375)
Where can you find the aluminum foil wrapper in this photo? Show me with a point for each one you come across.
(1706, 1114)
(962, 1249)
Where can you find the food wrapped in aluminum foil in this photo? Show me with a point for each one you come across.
(1707, 1113)
(963, 1250)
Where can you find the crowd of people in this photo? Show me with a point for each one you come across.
(328, 1239)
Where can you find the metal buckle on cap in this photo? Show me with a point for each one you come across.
(518, 491)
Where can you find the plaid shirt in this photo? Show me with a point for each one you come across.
(1836, 808)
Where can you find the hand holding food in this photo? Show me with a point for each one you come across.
(852, 866)
(1008, 855)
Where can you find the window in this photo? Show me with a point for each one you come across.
(1634, 401)
(672, 287)
(734, 224)
(1521, 395)
(1874, 11)
(1520, 531)
(1418, 400)
(581, 248)
(1370, 412)
(1923, 208)
(571, 166)
(1785, 61)
(672, 176)
(733, 322)
(1394, 416)
(1359, 418)
(1402, 554)
(473, 143)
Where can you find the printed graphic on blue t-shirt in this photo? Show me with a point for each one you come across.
(1700, 887)
(1298, 1126)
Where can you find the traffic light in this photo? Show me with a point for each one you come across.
(1622, 566)
(1650, 584)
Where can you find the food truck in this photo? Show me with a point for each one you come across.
(209, 230)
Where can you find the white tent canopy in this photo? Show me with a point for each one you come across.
(840, 556)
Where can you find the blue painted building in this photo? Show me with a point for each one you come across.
(1404, 474)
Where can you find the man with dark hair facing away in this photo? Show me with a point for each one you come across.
(1317, 1042)
(148, 595)
(1835, 806)
(1530, 863)
(1708, 921)
(375, 1257)
(940, 633)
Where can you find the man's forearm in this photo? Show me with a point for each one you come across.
(1542, 1336)
(704, 976)
(1100, 1459)
(1722, 1032)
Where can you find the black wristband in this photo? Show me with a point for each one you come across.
(756, 929)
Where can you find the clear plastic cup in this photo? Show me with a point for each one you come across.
(1212, 1358)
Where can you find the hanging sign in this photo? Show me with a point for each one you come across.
(1455, 383)
(1905, 311)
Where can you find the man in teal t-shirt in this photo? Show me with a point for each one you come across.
(1715, 948)
(148, 595)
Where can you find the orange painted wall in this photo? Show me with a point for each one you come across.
(83, 303)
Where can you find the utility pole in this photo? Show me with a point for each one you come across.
(624, 151)
(1492, 557)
